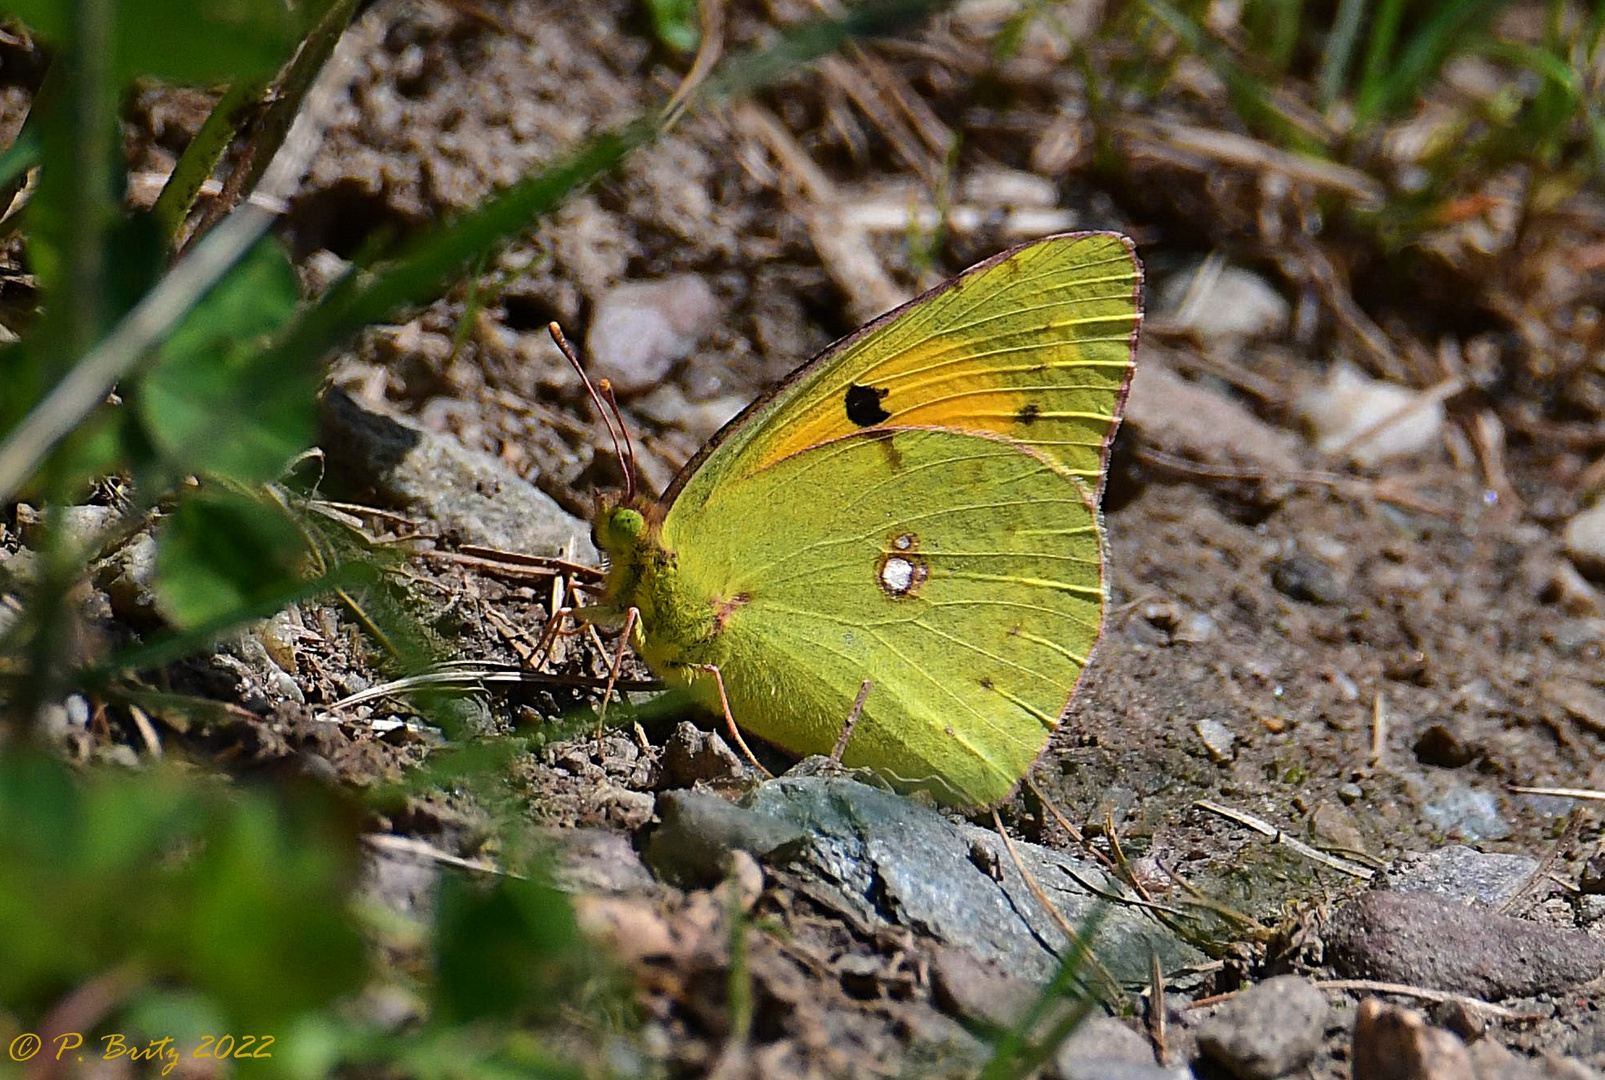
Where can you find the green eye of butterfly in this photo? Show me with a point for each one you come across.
(916, 507)
(619, 527)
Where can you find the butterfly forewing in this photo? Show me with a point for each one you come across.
(1035, 344)
(961, 574)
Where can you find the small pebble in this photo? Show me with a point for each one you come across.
(1590, 909)
(1333, 823)
(692, 754)
(1584, 539)
(1351, 403)
(1218, 739)
(129, 578)
(118, 754)
(640, 330)
(1467, 813)
(1099, 1042)
(1306, 578)
(1226, 306)
(55, 721)
(1267, 1031)
(1592, 880)
(1394, 1043)
(80, 524)
(627, 809)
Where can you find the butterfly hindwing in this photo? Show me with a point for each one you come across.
(960, 574)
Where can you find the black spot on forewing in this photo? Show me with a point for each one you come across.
(864, 405)
(1028, 413)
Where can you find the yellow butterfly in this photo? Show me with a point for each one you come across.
(916, 508)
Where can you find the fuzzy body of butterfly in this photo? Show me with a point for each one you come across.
(917, 508)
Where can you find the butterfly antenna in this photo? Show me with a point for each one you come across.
(624, 429)
(606, 405)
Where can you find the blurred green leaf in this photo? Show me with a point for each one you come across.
(219, 552)
(500, 950)
(1393, 79)
(182, 41)
(256, 870)
(212, 403)
(226, 894)
(675, 23)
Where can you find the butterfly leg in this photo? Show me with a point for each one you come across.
(561, 610)
(730, 721)
(631, 617)
(852, 721)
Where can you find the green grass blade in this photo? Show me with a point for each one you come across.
(1016, 1054)
(1249, 95)
(1338, 56)
(201, 156)
(1378, 55)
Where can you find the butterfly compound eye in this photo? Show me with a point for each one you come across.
(620, 528)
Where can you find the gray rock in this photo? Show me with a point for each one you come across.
(640, 330)
(597, 860)
(1107, 1069)
(699, 829)
(971, 989)
(469, 494)
(1105, 1047)
(933, 1036)
(401, 875)
(1490, 1061)
(1457, 872)
(79, 524)
(1425, 940)
(891, 860)
(1102, 1048)
(129, 577)
(1271, 1029)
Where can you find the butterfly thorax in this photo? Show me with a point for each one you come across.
(678, 628)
